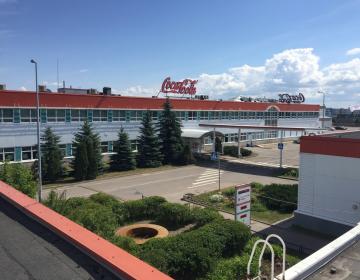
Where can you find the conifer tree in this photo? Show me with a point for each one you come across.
(51, 156)
(149, 154)
(171, 143)
(87, 154)
(123, 159)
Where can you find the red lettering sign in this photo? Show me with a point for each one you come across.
(187, 86)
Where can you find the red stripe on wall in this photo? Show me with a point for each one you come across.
(343, 147)
(60, 100)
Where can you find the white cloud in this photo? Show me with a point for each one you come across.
(290, 71)
(83, 70)
(354, 51)
(22, 88)
(137, 91)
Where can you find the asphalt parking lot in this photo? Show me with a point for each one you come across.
(269, 154)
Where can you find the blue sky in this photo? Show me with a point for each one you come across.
(133, 45)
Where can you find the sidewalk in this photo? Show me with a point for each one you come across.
(296, 239)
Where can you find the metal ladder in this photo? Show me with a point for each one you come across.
(266, 243)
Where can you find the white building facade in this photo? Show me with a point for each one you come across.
(329, 184)
(65, 113)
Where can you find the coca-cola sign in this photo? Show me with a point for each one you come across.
(187, 86)
(287, 98)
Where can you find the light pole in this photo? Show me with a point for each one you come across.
(38, 132)
(323, 109)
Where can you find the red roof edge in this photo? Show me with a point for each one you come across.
(343, 147)
(118, 261)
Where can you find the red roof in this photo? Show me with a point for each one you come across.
(342, 147)
(9, 98)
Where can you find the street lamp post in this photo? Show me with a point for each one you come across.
(38, 132)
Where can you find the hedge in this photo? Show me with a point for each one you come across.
(285, 197)
(192, 254)
(233, 151)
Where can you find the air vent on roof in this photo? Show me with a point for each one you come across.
(107, 90)
(42, 88)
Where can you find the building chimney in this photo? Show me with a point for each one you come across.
(42, 88)
(2, 87)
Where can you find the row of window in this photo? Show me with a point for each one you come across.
(30, 152)
(80, 115)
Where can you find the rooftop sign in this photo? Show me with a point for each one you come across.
(187, 86)
(287, 98)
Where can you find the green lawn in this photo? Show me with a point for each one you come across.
(258, 210)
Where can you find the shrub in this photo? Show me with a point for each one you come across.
(285, 197)
(192, 254)
(174, 215)
(216, 198)
(126, 243)
(229, 193)
(233, 151)
(20, 177)
(204, 216)
(147, 208)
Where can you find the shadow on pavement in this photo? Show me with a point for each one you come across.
(301, 242)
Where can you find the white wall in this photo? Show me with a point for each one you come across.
(329, 188)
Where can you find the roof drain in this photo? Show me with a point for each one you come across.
(266, 243)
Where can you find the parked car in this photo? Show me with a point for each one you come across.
(340, 127)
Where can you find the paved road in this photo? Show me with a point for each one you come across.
(174, 183)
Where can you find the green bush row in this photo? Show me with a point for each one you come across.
(233, 151)
(192, 254)
(279, 197)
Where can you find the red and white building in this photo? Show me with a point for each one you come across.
(329, 183)
(65, 112)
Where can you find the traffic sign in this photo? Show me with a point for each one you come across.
(214, 156)
(280, 146)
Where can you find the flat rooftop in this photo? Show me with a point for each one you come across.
(346, 265)
(28, 250)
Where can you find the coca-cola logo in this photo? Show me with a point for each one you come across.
(187, 86)
(287, 98)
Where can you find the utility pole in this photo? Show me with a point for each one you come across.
(38, 132)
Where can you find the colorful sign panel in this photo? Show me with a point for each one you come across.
(243, 204)
(187, 86)
(287, 98)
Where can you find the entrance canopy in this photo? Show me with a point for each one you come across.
(198, 133)
(259, 127)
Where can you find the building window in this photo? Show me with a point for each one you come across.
(29, 153)
(136, 115)
(99, 115)
(8, 154)
(230, 137)
(208, 140)
(78, 115)
(6, 115)
(28, 115)
(119, 116)
(204, 115)
(104, 147)
(180, 115)
(134, 145)
(192, 115)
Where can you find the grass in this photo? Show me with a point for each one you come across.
(113, 174)
(258, 210)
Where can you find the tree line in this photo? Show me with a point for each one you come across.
(158, 144)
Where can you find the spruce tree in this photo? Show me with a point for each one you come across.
(87, 154)
(149, 154)
(171, 143)
(123, 159)
(51, 156)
